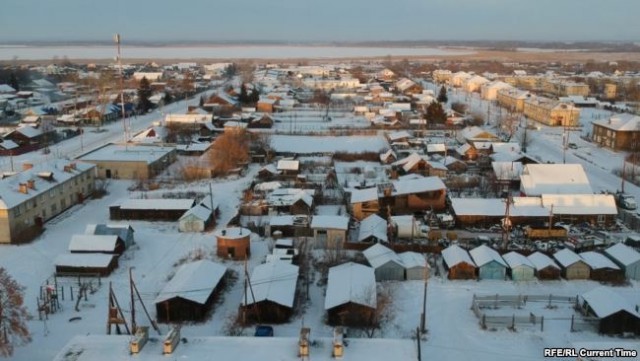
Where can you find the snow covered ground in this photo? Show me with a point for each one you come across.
(327, 144)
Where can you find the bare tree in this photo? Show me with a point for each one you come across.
(13, 315)
(228, 151)
(382, 313)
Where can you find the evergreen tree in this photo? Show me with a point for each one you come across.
(167, 98)
(201, 101)
(255, 96)
(13, 82)
(442, 96)
(435, 113)
(244, 96)
(144, 93)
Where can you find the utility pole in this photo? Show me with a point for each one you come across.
(246, 282)
(133, 303)
(423, 316)
(117, 40)
(506, 224)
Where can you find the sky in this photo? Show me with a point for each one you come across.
(320, 21)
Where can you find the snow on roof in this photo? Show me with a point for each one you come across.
(538, 179)
(193, 281)
(575, 204)
(597, 260)
(127, 153)
(496, 207)
(623, 254)
(419, 185)
(10, 196)
(194, 147)
(284, 220)
(436, 148)
(483, 255)
(409, 161)
(330, 222)
(474, 133)
(379, 255)
(327, 144)
(199, 211)
(84, 260)
(289, 196)
(274, 282)
(157, 204)
(374, 226)
(193, 118)
(269, 168)
(413, 260)
(515, 259)
(507, 171)
(233, 232)
(567, 257)
(454, 255)
(541, 261)
(385, 156)
(364, 195)
(4, 88)
(267, 186)
(93, 243)
(8, 144)
(350, 283)
(604, 302)
(395, 136)
(116, 348)
(621, 123)
(287, 164)
(28, 131)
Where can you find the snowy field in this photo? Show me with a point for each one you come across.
(328, 144)
(27, 52)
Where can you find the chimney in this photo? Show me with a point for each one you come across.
(22, 188)
(27, 165)
(31, 184)
(67, 169)
(303, 349)
(338, 346)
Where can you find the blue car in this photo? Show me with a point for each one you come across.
(264, 331)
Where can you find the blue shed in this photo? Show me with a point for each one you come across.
(490, 264)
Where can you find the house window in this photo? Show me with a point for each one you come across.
(16, 212)
(54, 208)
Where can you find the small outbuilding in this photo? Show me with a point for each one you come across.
(415, 266)
(459, 264)
(196, 219)
(272, 292)
(351, 296)
(85, 243)
(627, 258)
(490, 264)
(87, 264)
(386, 264)
(616, 315)
(190, 294)
(373, 229)
(545, 267)
(520, 268)
(151, 209)
(233, 243)
(124, 231)
(602, 268)
(572, 265)
(330, 231)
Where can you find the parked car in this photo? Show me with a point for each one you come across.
(264, 331)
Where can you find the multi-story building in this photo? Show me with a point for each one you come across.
(620, 132)
(512, 99)
(441, 76)
(130, 161)
(551, 112)
(563, 88)
(39, 193)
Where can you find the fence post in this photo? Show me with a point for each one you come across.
(495, 304)
(513, 322)
(541, 323)
(62, 291)
(572, 316)
(549, 301)
(71, 292)
(484, 321)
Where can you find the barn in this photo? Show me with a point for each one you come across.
(196, 219)
(627, 258)
(602, 268)
(520, 268)
(85, 243)
(386, 264)
(490, 265)
(459, 264)
(151, 209)
(89, 264)
(545, 267)
(272, 292)
(573, 266)
(350, 299)
(190, 293)
(616, 315)
(415, 266)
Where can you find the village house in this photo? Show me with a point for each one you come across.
(350, 299)
(272, 292)
(472, 135)
(619, 132)
(414, 194)
(363, 203)
(330, 231)
(290, 201)
(512, 99)
(123, 231)
(91, 264)
(407, 86)
(627, 258)
(189, 295)
(39, 193)
(538, 179)
(595, 209)
(616, 314)
(373, 229)
(130, 161)
(489, 211)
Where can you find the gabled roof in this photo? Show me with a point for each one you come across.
(537, 179)
(287, 164)
(193, 281)
(374, 226)
(597, 260)
(379, 255)
(330, 222)
(623, 254)
(454, 255)
(413, 260)
(483, 255)
(273, 281)
(580, 204)
(199, 211)
(515, 259)
(418, 185)
(401, 134)
(567, 257)
(93, 243)
(364, 195)
(350, 283)
(605, 302)
(409, 161)
(84, 260)
(621, 123)
(157, 204)
(541, 261)
(507, 171)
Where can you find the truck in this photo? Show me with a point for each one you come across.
(626, 201)
(545, 232)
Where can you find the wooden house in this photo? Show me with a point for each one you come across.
(545, 267)
(573, 266)
(490, 264)
(264, 122)
(602, 268)
(459, 264)
(272, 292)
(520, 268)
(92, 264)
(616, 315)
(386, 264)
(350, 299)
(627, 258)
(84, 243)
(364, 202)
(291, 201)
(189, 295)
(414, 194)
(330, 231)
